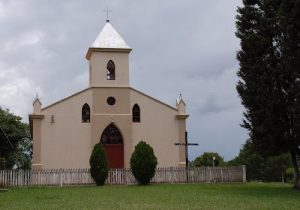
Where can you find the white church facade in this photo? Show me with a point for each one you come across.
(110, 112)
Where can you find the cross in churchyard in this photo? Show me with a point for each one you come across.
(107, 13)
(186, 144)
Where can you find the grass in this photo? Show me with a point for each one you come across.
(163, 196)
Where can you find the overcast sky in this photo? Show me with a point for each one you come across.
(186, 47)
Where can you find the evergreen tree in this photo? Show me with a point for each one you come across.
(99, 165)
(269, 63)
(290, 24)
(143, 163)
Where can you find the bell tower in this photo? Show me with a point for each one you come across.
(108, 59)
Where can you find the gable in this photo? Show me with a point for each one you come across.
(80, 94)
(159, 103)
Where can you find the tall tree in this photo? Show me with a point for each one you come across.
(269, 61)
(15, 141)
(290, 23)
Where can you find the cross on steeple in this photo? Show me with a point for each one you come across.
(107, 13)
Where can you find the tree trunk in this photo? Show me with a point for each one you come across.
(297, 180)
(296, 168)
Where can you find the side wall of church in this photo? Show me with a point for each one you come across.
(66, 141)
(158, 127)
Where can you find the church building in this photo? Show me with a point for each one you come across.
(109, 112)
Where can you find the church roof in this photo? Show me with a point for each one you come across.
(90, 88)
(109, 38)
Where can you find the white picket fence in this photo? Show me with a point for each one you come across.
(61, 177)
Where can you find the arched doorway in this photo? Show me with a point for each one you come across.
(112, 141)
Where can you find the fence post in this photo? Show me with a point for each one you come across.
(60, 177)
(172, 175)
(222, 175)
(244, 173)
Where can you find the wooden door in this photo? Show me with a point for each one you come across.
(112, 141)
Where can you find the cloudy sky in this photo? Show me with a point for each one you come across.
(179, 46)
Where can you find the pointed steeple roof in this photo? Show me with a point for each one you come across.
(108, 40)
(180, 100)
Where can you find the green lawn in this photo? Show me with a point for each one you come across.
(163, 196)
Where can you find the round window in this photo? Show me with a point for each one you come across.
(111, 100)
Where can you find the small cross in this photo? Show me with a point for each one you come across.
(107, 13)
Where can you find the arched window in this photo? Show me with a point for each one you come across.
(110, 70)
(111, 135)
(136, 113)
(85, 113)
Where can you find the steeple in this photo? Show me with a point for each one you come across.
(108, 57)
(108, 40)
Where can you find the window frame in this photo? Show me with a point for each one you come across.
(136, 113)
(85, 113)
(110, 70)
(111, 135)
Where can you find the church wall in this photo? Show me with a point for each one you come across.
(119, 114)
(98, 69)
(158, 127)
(122, 105)
(66, 142)
(36, 141)
(181, 133)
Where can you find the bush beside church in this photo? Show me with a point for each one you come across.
(143, 163)
(99, 165)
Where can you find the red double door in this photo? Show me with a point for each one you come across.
(115, 155)
(112, 141)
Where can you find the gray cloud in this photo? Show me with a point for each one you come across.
(178, 47)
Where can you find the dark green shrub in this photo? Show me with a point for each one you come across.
(99, 165)
(143, 163)
(289, 174)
